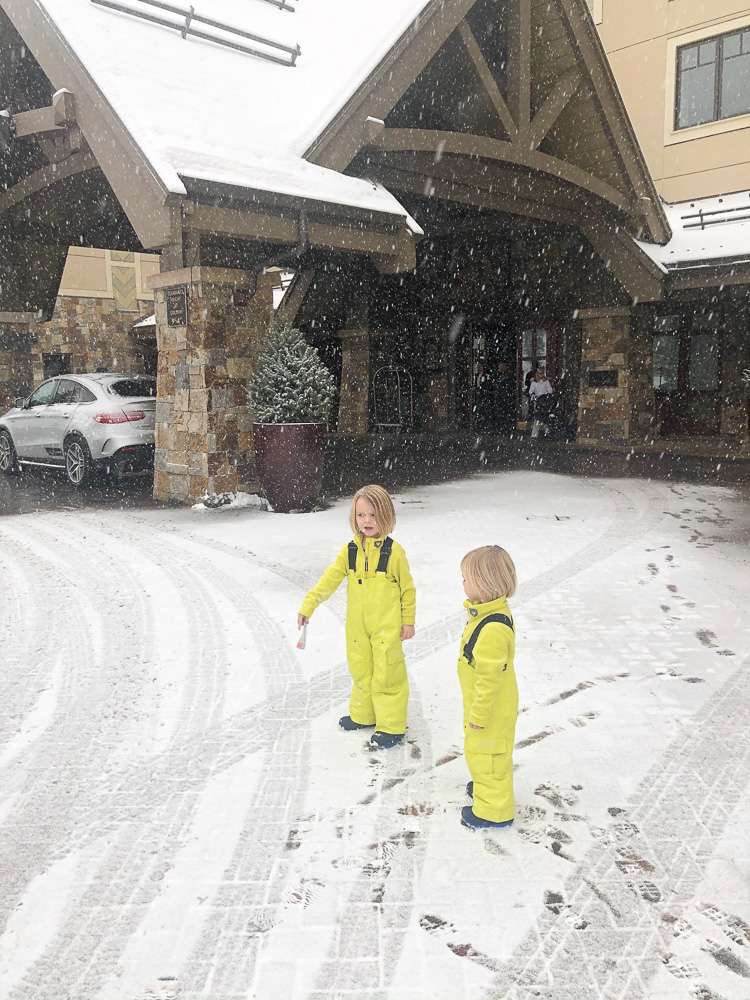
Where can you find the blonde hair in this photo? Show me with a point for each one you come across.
(380, 499)
(489, 570)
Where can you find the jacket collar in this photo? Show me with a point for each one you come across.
(479, 611)
(368, 542)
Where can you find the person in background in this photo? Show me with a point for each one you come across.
(540, 395)
(504, 391)
(483, 399)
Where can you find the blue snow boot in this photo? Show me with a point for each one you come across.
(470, 789)
(384, 741)
(348, 723)
(476, 823)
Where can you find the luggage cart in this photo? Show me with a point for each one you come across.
(393, 399)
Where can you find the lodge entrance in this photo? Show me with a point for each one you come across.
(687, 373)
(521, 347)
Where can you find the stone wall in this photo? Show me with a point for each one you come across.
(204, 436)
(604, 414)
(93, 332)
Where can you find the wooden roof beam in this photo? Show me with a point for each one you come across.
(582, 34)
(479, 146)
(565, 88)
(519, 62)
(447, 190)
(394, 245)
(45, 177)
(487, 79)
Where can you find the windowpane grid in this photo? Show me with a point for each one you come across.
(713, 79)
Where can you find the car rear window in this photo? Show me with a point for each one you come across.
(133, 387)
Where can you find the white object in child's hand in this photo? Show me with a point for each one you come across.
(301, 642)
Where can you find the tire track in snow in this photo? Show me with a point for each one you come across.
(136, 815)
(25, 625)
(84, 727)
(129, 873)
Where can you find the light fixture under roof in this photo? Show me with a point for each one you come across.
(292, 52)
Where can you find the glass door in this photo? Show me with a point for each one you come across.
(687, 374)
(539, 346)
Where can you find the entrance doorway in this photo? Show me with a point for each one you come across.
(493, 387)
(687, 374)
(540, 345)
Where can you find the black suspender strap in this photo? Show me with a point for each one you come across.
(385, 555)
(469, 647)
(353, 556)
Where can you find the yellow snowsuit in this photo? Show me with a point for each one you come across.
(490, 694)
(380, 599)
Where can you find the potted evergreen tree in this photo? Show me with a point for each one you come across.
(291, 392)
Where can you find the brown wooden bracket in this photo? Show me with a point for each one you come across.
(485, 75)
(519, 62)
(57, 117)
(545, 118)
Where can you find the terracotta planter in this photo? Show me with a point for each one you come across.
(289, 459)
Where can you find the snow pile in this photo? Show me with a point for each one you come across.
(230, 501)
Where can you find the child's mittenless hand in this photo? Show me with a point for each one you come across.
(472, 726)
(302, 620)
(407, 632)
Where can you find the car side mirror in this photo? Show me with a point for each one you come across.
(19, 402)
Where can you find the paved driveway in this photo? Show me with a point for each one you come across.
(40, 489)
(183, 818)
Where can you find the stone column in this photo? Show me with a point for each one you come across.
(354, 396)
(604, 405)
(16, 361)
(210, 323)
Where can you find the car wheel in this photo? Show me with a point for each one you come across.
(79, 467)
(8, 458)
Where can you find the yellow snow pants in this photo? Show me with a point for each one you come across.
(380, 689)
(492, 774)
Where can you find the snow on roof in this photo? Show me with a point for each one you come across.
(202, 110)
(705, 231)
(144, 323)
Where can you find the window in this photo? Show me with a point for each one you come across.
(533, 354)
(133, 387)
(43, 395)
(69, 391)
(713, 79)
(56, 364)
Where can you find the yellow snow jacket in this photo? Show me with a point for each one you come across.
(487, 678)
(368, 555)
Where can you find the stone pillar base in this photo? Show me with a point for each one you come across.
(354, 397)
(210, 324)
(604, 408)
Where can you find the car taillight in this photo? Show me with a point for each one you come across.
(119, 418)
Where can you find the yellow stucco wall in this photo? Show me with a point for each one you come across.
(641, 38)
(109, 274)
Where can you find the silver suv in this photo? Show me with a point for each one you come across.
(83, 424)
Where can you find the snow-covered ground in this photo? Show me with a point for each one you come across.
(183, 818)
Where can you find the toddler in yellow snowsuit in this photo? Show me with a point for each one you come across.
(380, 610)
(488, 683)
